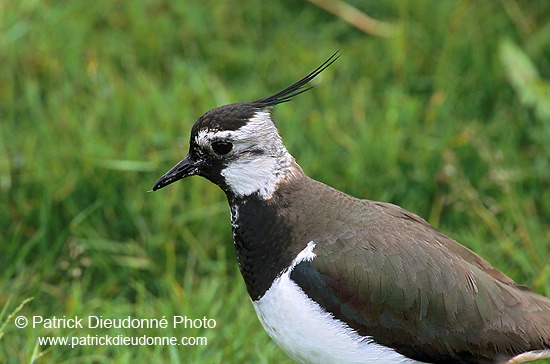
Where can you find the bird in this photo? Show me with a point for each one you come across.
(338, 279)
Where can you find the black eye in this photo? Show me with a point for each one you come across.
(222, 147)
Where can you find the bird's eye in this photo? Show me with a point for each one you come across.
(222, 147)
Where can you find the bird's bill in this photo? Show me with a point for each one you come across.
(184, 168)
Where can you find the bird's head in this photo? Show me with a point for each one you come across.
(238, 147)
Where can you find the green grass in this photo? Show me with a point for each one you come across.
(449, 118)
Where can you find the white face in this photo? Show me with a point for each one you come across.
(258, 160)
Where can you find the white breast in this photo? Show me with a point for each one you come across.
(309, 334)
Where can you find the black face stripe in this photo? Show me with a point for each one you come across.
(256, 152)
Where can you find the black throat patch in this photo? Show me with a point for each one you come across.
(265, 238)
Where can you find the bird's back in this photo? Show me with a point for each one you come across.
(381, 264)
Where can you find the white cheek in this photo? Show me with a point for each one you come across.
(250, 175)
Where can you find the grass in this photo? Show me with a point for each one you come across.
(449, 118)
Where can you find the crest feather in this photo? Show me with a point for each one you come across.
(296, 88)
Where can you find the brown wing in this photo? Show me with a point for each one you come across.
(408, 286)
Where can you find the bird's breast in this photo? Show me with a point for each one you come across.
(308, 333)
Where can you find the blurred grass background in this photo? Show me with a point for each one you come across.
(449, 117)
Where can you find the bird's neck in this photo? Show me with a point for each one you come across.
(262, 231)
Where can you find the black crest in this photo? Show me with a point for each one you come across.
(295, 89)
(234, 116)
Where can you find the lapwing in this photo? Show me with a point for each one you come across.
(337, 279)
